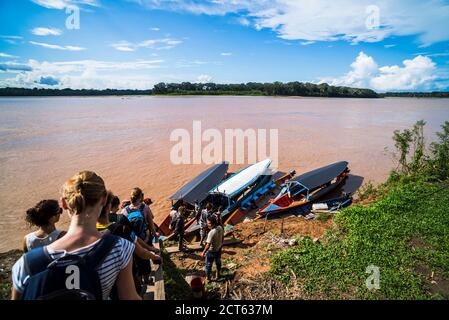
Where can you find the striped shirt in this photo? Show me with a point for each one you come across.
(115, 261)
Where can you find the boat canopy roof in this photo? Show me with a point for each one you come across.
(198, 188)
(321, 176)
(242, 179)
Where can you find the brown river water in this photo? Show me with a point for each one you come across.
(44, 141)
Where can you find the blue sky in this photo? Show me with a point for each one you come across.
(400, 45)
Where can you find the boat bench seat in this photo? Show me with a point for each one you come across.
(246, 205)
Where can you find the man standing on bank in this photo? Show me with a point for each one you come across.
(214, 243)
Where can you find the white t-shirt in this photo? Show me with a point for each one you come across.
(173, 214)
(215, 239)
(32, 241)
(108, 271)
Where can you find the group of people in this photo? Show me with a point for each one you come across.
(211, 232)
(104, 254)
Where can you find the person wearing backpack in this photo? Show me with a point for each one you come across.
(174, 214)
(218, 215)
(83, 264)
(204, 230)
(44, 215)
(180, 226)
(197, 211)
(115, 204)
(139, 215)
(152, 235)
(143, 252)
(124, 230)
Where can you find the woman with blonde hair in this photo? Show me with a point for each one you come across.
(82, 264)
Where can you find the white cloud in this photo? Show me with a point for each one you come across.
(157, 44)
(57, 47)
(388, 46)
(244, 21)
(191, 63)
(51, 4)
(124, 49)
(362, 70)
(204, 78)
(155, 29)
(12, 39)
(226, 54)
(307, 43)
(61, 4)
(14, 67)
(42, 31)
(83, 74)
(5, 55)
(416, 74)
(329, 20)
(123, 46)
(439, 54)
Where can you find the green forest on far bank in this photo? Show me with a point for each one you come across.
(292, 89)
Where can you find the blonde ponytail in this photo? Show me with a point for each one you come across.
(83, 190)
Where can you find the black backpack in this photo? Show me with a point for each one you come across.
(118, 229)
(55, 279)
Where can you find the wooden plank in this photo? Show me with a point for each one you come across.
(156, 291)
(237, 214)
(196, 246)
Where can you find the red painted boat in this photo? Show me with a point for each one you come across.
(307, 188)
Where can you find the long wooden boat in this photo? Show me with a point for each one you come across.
(193, 192)
(237, 183)
(231, 193)
(239, 214)
(306, 189)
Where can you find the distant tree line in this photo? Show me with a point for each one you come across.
(17, 92)
(266, 89)
(435, 94)
(250, 88)
(188, 88)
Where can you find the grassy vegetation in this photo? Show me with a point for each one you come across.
(7, 260)
(404, 232)
(176, 288)
(5, 291)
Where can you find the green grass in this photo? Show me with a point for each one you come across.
(5, 291)
(176, 288)
(405, 234)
